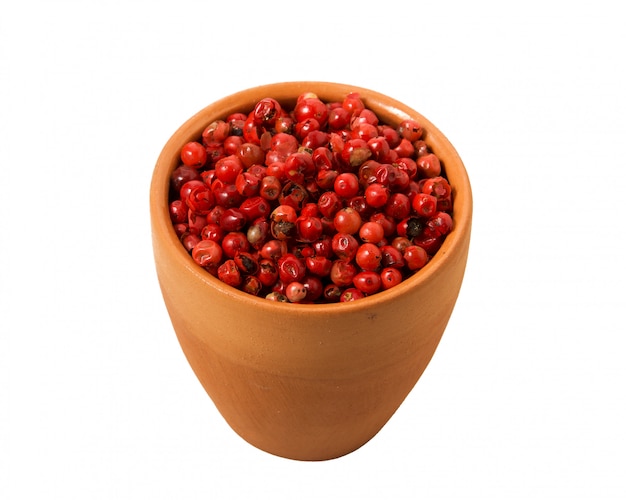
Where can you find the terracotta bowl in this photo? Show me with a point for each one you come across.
(308, 381)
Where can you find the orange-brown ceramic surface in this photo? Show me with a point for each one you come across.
(303, 381)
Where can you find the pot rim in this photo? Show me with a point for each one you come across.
(244, 100)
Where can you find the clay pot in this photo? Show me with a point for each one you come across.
(304, 381)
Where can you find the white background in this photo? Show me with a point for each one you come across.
(525, 396)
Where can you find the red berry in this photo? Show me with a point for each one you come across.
(318, 265)
(207, 253)
(298, 167)
(425, 205)
(246, 262)
(391, 256)
(347, 220)
(235, 242)
(216, 132)
(229, 273)
(390, 277)
(178, 211)
(368, 257)
(266, 111)
(355, 152)
(274, 249)
(255, 207)
(308, 229)
(342, 273)
(371, 232)
(314, 287)
(398, 206)
(247, 184)
(376, 195)
(233, 219)
(353, 103)
(267, 272)
(227, 169)
(290, 268)
(346, 185)
(437, 186)
(329, 203)
(429, 165)
(252, 285)
(338, 118)
(270, 188)
(181, 175)
(410, 129)
(311, 107)
(213, 232)
(415, 257)
(368, 282)
(439, 224)
(345, 246)
(193, 154)
(295, 291)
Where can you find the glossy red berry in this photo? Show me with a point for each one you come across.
(178, 211)
(429, 165)
(273, 249)
(353, 103)
(410, 129)
(318, 265)
(246, 262)
(398, 206)
(344, 246)
(193, 154)
(228, 272)
(368, 257)
(247, 184)
(415, 257)
(270, 188)
(371, 232)
(207, 253)
(181, 175)
(424, 204)
(390, 277)
(295, 291)
(439, 224)
(376, 195)
(252, 285)
(227, 169)
(311, 107)
(235, 242)
(314, 287)
(342, 273)
(233, 219)
(437, 186)
(298, 167)
(347, 220)
(267, 272)
(346, 185)
(212, 231)
(266, 111)
(308, 228)
(290, 268)
(391, 256)
(368, 282)
(329, 203)
(339, 118)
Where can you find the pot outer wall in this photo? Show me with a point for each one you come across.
(304, 381)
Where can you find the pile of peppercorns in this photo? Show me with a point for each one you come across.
(321, 203)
